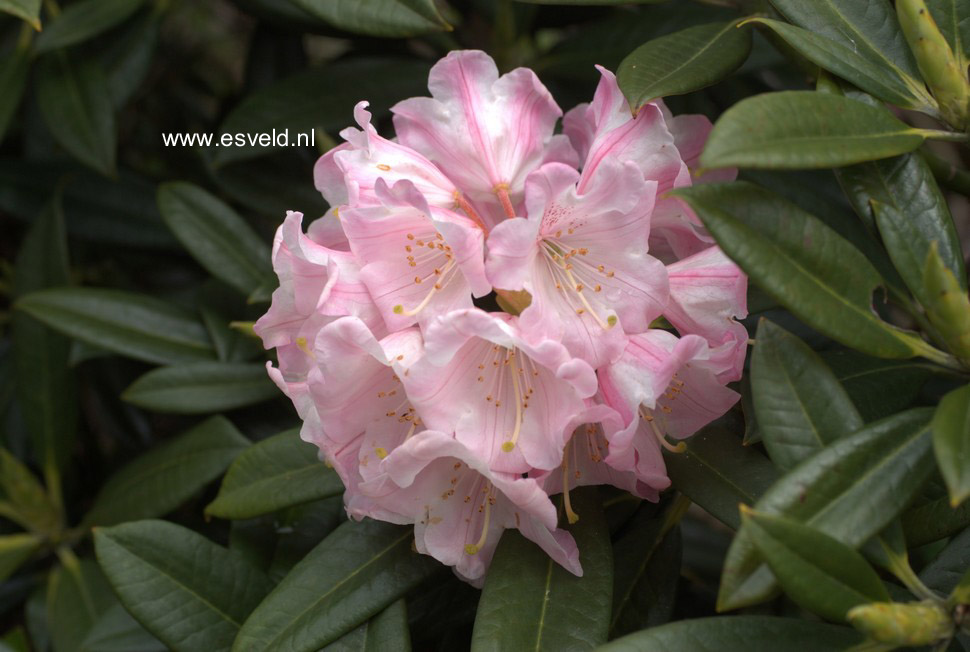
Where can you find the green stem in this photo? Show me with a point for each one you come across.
(949, 175)
(950, 136)
(899, 566)
(939, 357)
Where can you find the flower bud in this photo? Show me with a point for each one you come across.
(936, 61)
(893, 623)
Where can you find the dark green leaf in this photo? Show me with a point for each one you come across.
(121, 212)
(806, 129)
(860, 67)
(320, 97)
(47, 387)
(951, 442)
(907, 241)
(75, 100)
(357, 571)
(738, 634)
(717, 472)
(394, 18)
(877, 387)
(818, 572)
(906, 185)
(201, 387)
(646, 567)
(189, 592)
(275, 473)
(300, 529)
(850, 490)
(23, 499)
(13, 79)
(523, 580)
(15, 549)
(799, 403)
(934, 520)
(215, 235)
(162, 479)
(608, 41)
(131, 324)
(271, 185)
(867, 26)
(28, 10)
(944, 573)
(388, 630)
(682, 62)
(77, 597)
(82, 20)
(128, 57)
(801, 263)
(116, 631)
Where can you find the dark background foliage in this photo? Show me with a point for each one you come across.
(132, 389)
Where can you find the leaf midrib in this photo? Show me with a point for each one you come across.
(642, 99)
(270, 645)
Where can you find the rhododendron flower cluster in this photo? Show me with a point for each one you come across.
(617, 330)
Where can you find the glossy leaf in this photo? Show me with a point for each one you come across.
(855, 65)
(878, 388)
(356, 572)
(920, 215)
(525, 581)
(75, 100)
(47, 388)
(22, 497)
(806, 129)
(131, 324)
(388, 630)
(801, 263)
(818, 572)
(189, 592)
(275, 473)
(83, 20)
(28, 10)
(682, 62)
(215, 235)
(15, 549)
(395, 18)
(850, 490)
(13, 79)
(867, 26)
(951, 442)
(201, 387)
(320, 97)
(738, 634)
(162, 479)
(717, 472)
(646, 569)
(799, 403)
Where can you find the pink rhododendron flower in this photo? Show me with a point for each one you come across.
(507, 399)
(583, 259)
(439, 410)
(460, 506)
